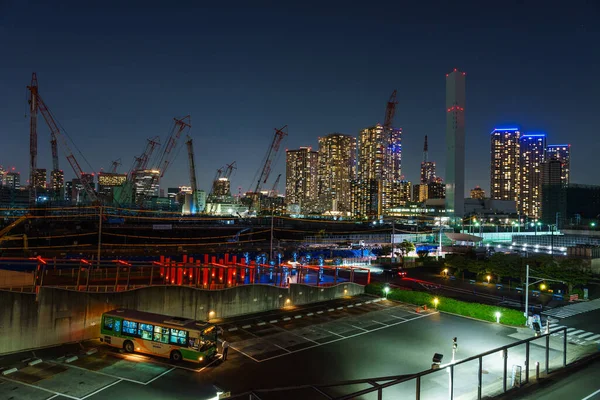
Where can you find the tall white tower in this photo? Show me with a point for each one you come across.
(455, 143)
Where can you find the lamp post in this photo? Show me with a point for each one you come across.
(488, 278)
(386, 290)
(527, 284)
(435, 302)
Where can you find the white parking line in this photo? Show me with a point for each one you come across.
(96, 372)
(377, 322)
(169, 370)
(342, 338)
(233, 329)
(101, 389)
(246, 326)
(298, 316)
(282, 348)
(358, 304)
(340, 308)
(286, 318)
(350, 306)
(261, 323)
(273, 321)
(358, 327)
(43, 389)
(333, 333)
(319, 312)
(247, 355)
(591, 395)
(310, 314)
(331, 309)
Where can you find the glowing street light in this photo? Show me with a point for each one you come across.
(445, 271)
(498, 315)
(543, 286)
(435, 302)
(386, 290)
(488, 278)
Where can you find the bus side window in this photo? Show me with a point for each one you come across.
(108, 323)
(117, 327)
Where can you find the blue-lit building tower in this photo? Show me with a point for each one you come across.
(455, 143)
(533, 154)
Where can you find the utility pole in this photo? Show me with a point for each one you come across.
(99, 236)
(272, 218)
(393, 240)
(527, 284)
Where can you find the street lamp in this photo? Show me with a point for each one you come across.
(435, 302)
(386, 290)
(593, 224)
(488, 278)
(498, 315)
(445, 271)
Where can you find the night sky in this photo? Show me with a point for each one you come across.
(115, 75)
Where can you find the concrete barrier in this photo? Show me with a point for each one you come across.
(62, 316)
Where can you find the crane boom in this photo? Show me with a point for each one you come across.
(229, 170)
(271, 153)
(114, 165)
(70, 157)
(273, 192)
(166, 158)
(193, 183)
(33, 108)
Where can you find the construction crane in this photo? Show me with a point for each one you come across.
(139, 163)
(267, 163)
(39, 104)
(33, 107)
(229, 169)
(180, 125)
(115, 164)
(193, 183)
(273, 192)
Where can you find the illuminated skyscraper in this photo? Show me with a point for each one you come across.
(146, 182)
(301, 186)
(505, 159)
(455, 143)
(39, 178)
(107, 182)
(477, 193)
(427, 167)
(379, 171)
(533, 152)
(337, 169)
(562, 153)
(57, 184)
(12, 180)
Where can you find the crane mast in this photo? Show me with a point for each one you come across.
(37, 103)
(114, 165)
(193, 183)
(267, 162)
(273, 192)
(33, 108)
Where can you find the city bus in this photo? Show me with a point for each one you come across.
(161, 335)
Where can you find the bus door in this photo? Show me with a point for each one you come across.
(160, 341)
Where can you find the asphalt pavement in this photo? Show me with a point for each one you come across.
(353, 338)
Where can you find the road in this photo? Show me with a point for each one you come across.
(353, 338)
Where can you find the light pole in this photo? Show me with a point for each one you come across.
(527, 284)
(386, 290)
(435, 302)
(488, 278)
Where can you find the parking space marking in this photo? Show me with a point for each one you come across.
(377, 322)
(169, 370)
(298, 316)
(319, 312)
(246, 326)
(233, 329)
(350, 306)
(95, 372)
(286, 318)
(282, 348)
(101, 389)
(261, 323)
(247, 355)
(358, 327)
(331, 309)
(333, 333)
(273, 321)
(310, 314)
(41, 388)
(340, 308)
(343, 338)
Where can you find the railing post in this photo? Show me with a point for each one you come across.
(548, 353)
(565, 347)
(380, 394)
(527, 362)
(151, 274)
(78, 275)
(117, 277)
(451, 383)
(418, 388)
(479, 378)
(505, 356)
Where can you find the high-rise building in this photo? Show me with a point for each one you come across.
(222, 187)
(533, 152)
(69, 191)
(504, 165)
(301, 186)
(477, 193)
(39, 179)
(379, 170)
(561, 152)
(455, 143)
(436, 189)
(553, 195)
(337, 169)
(12, 180)
(57, 184)
(107, 182)
(3, 173)
(427, 167)
(146, 182)
(400, 194)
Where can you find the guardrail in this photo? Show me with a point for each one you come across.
(419, 380)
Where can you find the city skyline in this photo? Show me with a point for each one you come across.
(110, 99)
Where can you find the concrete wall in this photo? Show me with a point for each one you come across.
(59, 316)
(13, 279)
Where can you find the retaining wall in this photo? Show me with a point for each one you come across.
(56, 316)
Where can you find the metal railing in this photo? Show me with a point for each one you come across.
(379, 384)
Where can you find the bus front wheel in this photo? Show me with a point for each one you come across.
(176, 356)
(128, 346)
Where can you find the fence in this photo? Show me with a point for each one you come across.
(484, 375)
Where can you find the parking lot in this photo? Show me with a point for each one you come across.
(82, 370)
(262, 338)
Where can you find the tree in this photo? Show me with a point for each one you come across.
(405, 247)
(569, 270)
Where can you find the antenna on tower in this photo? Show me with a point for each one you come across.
(425, 155)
